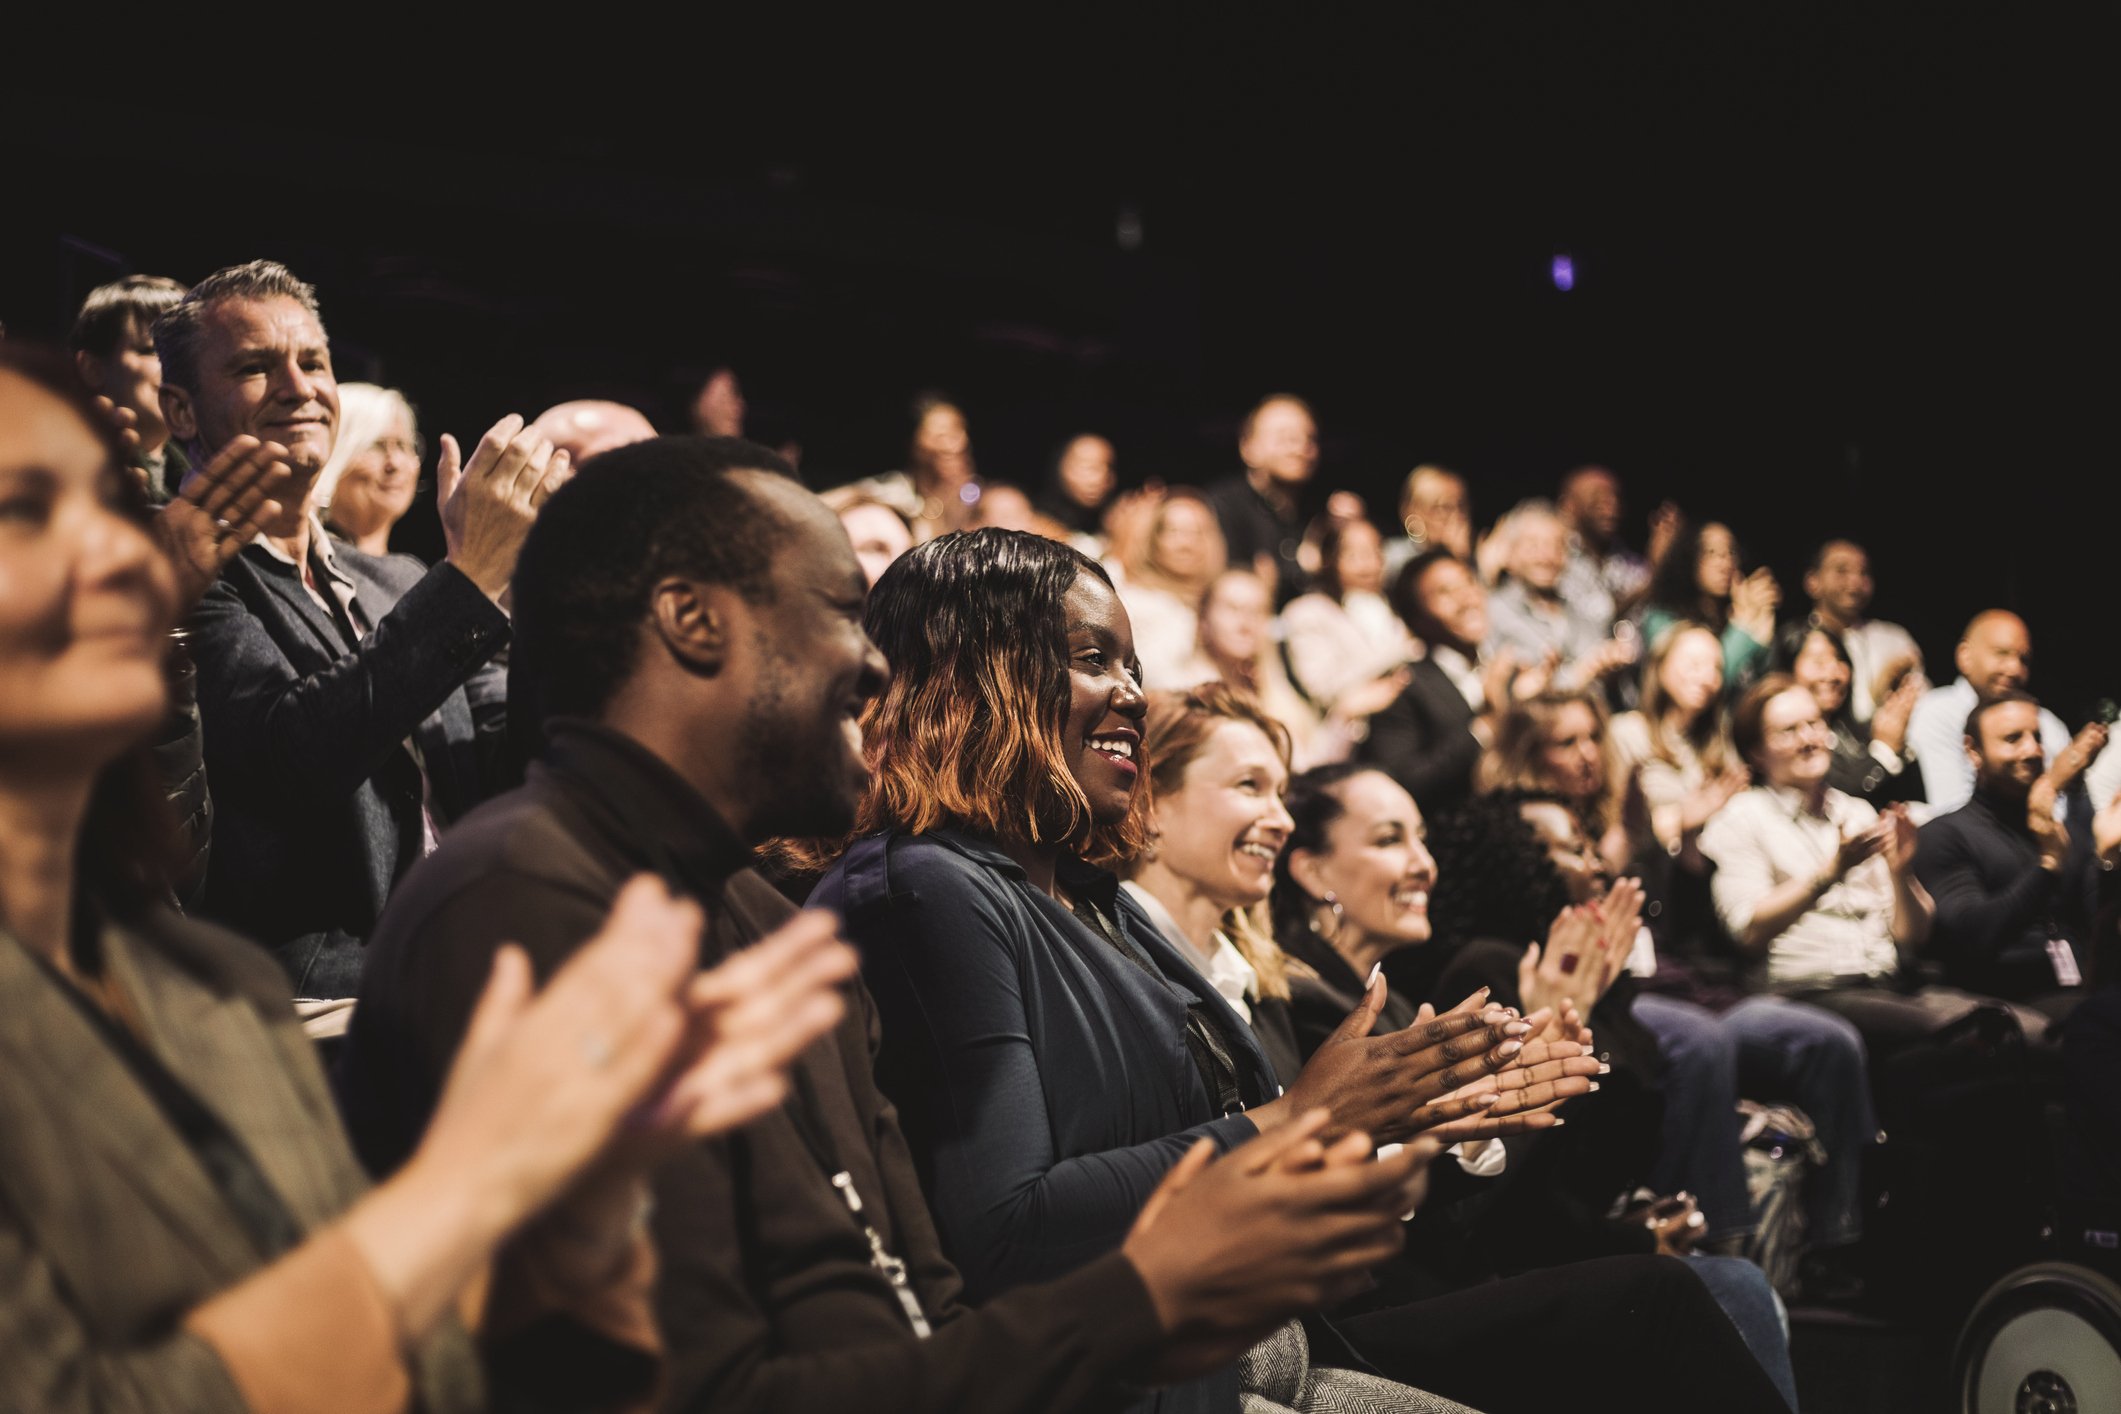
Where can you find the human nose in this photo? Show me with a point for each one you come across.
(1421, 866)
(1128, 699)
(1277, 817)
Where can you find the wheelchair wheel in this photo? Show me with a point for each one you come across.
(2044, 1340)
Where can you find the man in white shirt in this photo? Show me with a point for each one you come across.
(1838, 582)
(1995, 656)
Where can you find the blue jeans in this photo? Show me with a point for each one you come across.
(1764, 1048)
(1742, 1290)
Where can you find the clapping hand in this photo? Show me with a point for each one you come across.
(1897, 838)
(489, 503)
(1231, 1247)
(219, 509)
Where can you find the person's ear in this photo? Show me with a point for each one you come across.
(694, 623)
(1961, 656)
(89, 367)
(1304, 869)
(1811, 585)
(1973, 753)
(177, 413)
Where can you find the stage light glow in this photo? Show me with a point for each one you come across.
(1564, 271)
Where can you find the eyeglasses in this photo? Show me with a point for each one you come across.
(416, 448)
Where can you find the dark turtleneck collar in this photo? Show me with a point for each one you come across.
(657, 809)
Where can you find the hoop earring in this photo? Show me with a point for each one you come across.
(1332, 910)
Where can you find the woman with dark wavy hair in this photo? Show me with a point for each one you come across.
(1051, 1053)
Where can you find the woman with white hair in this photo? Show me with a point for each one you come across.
(374, 470)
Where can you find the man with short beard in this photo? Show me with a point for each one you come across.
(1838, 582)
(2016, 888)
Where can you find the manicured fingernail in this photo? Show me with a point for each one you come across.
(1594, 1088)
(1376, 971)
(1516, 1028)
(1558, 1122)
(1604, 1069)
(1509, 1048)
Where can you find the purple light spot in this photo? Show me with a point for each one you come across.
(1564, 271)
(969, 493)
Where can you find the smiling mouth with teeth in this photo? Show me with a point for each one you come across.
(1117, 747)
(1265, 852)
(1407, 899)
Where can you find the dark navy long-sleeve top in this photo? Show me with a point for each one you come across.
(1042, 1077)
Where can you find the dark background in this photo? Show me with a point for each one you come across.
(1841, 269)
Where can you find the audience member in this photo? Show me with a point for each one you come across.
(1343, 634)
(1261, 509)
(1871, 756)
(939, 486)
(337, 730)
(1702, 580)
(1602, 578)
(1818, 886)
(880, 534)
(693, 618)
(590, 427)
(1431, 736)
(113, 344)
(368, 484)
(2017, 889)
(1218, 765)
(1079, 490)
(1237, 648)
(1163, 578)
(1678, 745)
(718, 411)
(185, 1227)
(1435, 513)
(1883, 657)
(1529, 615)
(1994, 657)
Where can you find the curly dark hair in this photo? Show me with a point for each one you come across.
(1493, 876)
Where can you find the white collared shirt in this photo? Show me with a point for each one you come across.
(1764, 837)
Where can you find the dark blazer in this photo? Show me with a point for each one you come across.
(766, 1295)
(110, 1228)
(1854, 771)
(318, 800)
(1425, 741)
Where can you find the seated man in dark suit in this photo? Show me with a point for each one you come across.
(2016, 888)
(338, 736)
(1431, 737)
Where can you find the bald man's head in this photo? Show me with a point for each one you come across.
(584, 428)
(1996, 654)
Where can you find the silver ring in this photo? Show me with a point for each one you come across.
(596, 1050)
(224, 525)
